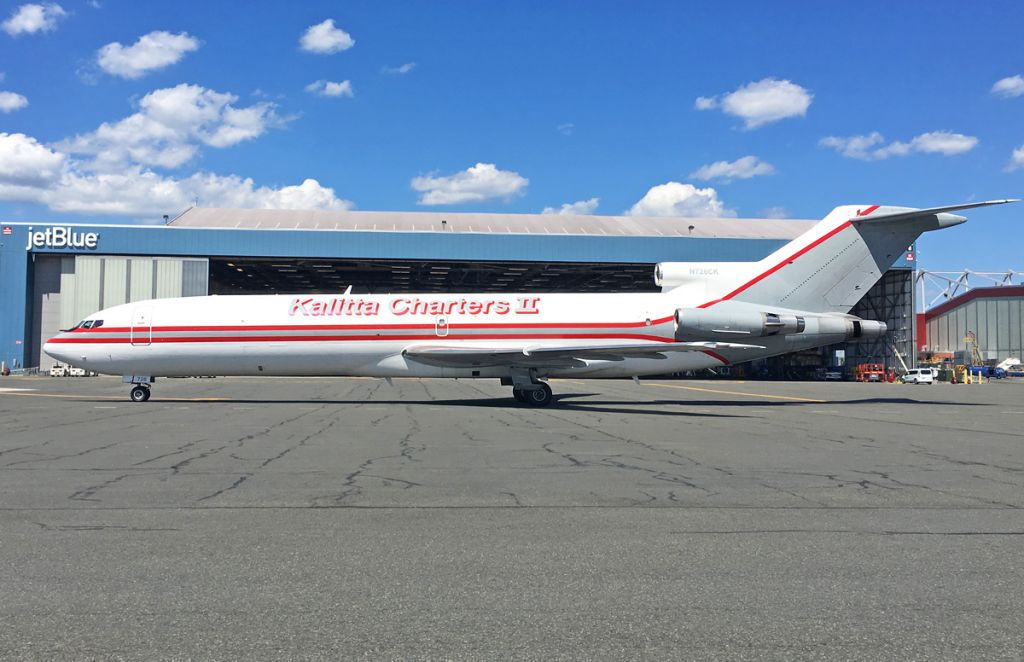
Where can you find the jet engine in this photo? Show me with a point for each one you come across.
(730, 323)
(848, 327)
(723, 323)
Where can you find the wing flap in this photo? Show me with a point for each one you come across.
(454, 356)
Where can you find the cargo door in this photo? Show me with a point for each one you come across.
(142, 326)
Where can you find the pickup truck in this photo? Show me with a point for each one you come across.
(987, 371)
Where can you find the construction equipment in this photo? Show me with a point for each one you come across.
(972, 346)
(869, 372)
(899, 357)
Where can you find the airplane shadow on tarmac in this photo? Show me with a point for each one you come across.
(560, 403)
(567, 402)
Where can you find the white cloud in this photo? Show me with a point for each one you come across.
(705, 103)
(871, 147)
(1016, 160)
(401, 69)
(31, 172)
(325, 38)
(170, 126)
(23, 161)
(1011, 86)
(675, 199)
(762, 102)
(566, 128)
(774, 212)
(475, 184)
(143, 193)
(11, 101)
(742, 168)
(326, 88)
(32, 18)
(580, 208)
(854, 147)
(946, 143)
(152, 51)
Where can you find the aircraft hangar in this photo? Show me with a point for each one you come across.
(54, 274)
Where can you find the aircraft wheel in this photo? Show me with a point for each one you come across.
(139, 394)
(517, 393)
(539, 397)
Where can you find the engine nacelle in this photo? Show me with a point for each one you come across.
(849, 328)
(726, 324)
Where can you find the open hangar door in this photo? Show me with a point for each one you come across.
(68, 288)
(329, 276)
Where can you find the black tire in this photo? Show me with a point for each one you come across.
(517, 393)
(139, 394)
(539, 397)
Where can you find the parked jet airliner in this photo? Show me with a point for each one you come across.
(708, 314)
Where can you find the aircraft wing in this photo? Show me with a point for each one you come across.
(458, 356)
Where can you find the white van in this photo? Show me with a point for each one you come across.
(919, 376)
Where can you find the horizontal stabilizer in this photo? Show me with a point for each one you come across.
(908, 214)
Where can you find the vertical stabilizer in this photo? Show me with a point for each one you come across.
(830, 267)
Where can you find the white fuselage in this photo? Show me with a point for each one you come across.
(366, 334)
(811, 282)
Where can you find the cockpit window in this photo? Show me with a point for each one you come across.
(84, 324)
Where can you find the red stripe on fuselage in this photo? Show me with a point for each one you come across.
(487, 336)
(762, 276)
(374, 327)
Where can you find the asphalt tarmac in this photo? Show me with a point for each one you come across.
(352, 518)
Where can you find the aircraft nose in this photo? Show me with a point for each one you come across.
(55, 349)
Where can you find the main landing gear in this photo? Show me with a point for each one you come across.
(536, 395)
(140, 387)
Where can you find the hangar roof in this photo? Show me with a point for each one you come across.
(998, 292)
(402, 221)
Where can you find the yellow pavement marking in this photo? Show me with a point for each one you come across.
(110, 397)
(751, 395)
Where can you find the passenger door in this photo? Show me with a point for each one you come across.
(441, 326)
(142, 326)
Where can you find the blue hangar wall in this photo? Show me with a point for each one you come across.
(21, 242)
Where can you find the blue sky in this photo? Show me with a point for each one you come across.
(123, 111)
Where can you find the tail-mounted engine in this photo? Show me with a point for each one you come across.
(725, 323)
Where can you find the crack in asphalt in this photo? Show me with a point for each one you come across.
(87, 493)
